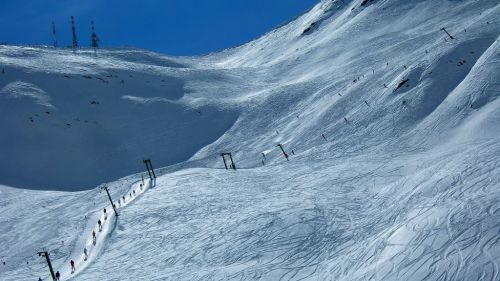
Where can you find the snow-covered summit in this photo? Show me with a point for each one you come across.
(387, 109)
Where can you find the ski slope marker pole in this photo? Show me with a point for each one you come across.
(283, 150)
(444, 29)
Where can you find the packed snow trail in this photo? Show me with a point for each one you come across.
(109, 223)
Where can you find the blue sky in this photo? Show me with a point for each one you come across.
(175, 27)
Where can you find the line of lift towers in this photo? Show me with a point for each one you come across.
(152, 177)
(227, 158)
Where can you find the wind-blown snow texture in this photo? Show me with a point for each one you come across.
(404, 185)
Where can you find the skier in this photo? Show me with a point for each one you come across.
(286, 156)
(40, 279)
(58, 276)
(100, 225)
(124, 199)
(105, 214)
(85, 253)
(134, 192)
(72, 263)
(93, 235)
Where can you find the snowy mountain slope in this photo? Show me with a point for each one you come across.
(63, 233)
(321, 77)
(103, 113)
(394, 173)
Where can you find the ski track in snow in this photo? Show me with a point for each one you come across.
(109, 224)
(302, 235)
(382, 220)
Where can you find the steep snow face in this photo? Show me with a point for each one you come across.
(390, 125)
(379, 74)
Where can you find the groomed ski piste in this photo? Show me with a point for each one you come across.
(387, 109)
(109, 223)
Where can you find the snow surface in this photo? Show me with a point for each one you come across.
(387, 180)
